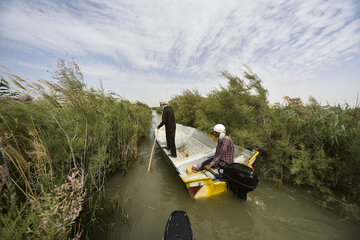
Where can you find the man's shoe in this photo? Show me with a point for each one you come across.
(174, 156)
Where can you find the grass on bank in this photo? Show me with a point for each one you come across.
(59, 148)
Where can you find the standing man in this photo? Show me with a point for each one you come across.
(168, 118)
(224, 150)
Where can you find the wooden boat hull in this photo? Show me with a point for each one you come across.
(193, 147)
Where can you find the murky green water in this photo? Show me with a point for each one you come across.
(269, 213)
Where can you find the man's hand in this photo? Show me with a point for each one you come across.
(207, 167)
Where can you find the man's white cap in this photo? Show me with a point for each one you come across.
(163, 103)
(219, 128)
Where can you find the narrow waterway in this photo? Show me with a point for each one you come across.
(269, 213)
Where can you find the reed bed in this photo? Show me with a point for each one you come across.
(58, 149)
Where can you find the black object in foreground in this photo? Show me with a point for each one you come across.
(240, 179)
(178, 227)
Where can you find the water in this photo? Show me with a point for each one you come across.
(269, 213)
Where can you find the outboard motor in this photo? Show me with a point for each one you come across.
(240, 179)
(178, 227)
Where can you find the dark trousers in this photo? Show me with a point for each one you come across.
(170, 141)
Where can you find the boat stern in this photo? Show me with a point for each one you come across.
(205, 188)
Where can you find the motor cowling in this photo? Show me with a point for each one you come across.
(178, 227)
(240, 179)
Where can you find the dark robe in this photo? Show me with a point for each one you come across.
(168, 118)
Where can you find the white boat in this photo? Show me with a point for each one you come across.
(193, 147)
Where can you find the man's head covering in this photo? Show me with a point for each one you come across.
(219, 128)
(163, 103)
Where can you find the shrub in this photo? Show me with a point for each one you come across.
(312, 146)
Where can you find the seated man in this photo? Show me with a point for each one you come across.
(224, 150)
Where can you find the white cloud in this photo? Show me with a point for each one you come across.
(283, 41)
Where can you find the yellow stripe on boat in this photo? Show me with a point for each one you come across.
(252, 159)
(211, 188)
(194, 180)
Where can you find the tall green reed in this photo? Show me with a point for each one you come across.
(60, 147)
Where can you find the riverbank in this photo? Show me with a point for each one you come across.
(59, 149)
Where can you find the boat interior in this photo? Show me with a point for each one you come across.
(193, 148)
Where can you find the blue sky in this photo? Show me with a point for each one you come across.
(150, 50)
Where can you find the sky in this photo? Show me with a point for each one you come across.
(148, 51)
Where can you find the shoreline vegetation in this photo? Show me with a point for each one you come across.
(58, 150)
(59, 147)
(310, 146)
